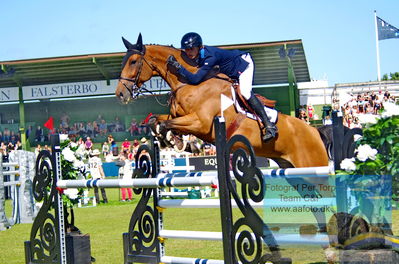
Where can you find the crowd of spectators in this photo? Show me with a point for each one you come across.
(359, 105)
(92, 129)
(98, 127)
(367, 103)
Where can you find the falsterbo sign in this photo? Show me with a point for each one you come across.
(74, 89)
(8, 94)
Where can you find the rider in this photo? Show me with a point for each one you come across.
(236, 64)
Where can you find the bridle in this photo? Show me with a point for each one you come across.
(134, 89)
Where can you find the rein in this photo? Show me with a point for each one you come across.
(134, 86)
(139, 90)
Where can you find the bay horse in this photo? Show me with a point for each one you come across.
(194, 107)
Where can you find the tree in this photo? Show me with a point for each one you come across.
(393, 76)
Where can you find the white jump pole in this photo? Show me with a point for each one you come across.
(138, 183)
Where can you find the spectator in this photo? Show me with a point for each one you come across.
(88, 144)
(135, 147)
(208, 149)
(127, 173)
(143, 128)
(96, 129)
(99, 118)
(110, 139)
(90, 129)
(27, 132)
(302, 115)
(193, 143)
(133, 129)
(46, 147)
(103, 128)
(81, 129)
(81, 151)
(39, 135)
(97, 172)
(18, 145)
(118, 125)
(143, 141)
(37, 150)
(105, 149)
(126, 146)
(13, 138)
(65, 121)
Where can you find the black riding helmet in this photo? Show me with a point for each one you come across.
(190, 40)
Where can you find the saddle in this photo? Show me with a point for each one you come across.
(244, 105)
(266, 102)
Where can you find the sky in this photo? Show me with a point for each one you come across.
(338, 35)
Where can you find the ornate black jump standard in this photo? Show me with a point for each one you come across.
(47, 238)
(141, 244)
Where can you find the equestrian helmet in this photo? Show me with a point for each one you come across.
(191, 40)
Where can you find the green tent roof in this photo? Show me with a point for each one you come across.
(270, 67)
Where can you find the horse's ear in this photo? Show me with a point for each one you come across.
(139, 44)
(128, 45)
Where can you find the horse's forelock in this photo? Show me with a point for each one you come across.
(129, 53)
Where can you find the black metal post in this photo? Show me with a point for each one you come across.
(224, 193)
(338, 139)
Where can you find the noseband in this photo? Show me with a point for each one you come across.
(134, 89)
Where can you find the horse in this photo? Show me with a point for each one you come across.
(194, 108)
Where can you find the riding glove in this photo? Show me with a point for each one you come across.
(173, 63)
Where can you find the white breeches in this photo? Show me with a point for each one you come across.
(246, 77)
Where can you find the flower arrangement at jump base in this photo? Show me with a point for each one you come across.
(377, 153)
(72, 168)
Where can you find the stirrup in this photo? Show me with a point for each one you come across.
(269, 132)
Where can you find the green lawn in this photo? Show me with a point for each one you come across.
(106, 223)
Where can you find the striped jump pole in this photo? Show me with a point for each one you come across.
(177, 260)
(268, 173)
(139, 183)
(282, 239)
(215, 203)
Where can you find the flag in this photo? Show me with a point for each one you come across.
(386, 30)
(225, 102)
(147, 118)
(49, 123)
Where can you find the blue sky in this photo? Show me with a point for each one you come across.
(338, 36)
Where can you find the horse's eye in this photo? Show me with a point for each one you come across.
(133, 62)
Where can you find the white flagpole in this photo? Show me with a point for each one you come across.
(377, 47)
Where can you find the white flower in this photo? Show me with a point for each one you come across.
(357, 137)
(72, 193)
(68, 154)
(74, 145)
(77, 164)
(63, 137)
(365, 152)
(348, 164)
(390, 109)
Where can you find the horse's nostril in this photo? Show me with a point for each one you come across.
(121, 94)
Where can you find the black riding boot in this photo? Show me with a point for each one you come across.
(271, 129)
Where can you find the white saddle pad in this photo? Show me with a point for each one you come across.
(271, 113)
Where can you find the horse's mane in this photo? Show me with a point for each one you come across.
(182, 54)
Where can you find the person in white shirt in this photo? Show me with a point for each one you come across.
(127, 171)
(97, 172)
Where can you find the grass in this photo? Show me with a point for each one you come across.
(106, 223)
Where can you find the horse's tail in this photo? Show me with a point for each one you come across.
(326, 134)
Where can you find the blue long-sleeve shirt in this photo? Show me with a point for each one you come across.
(229, 62)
